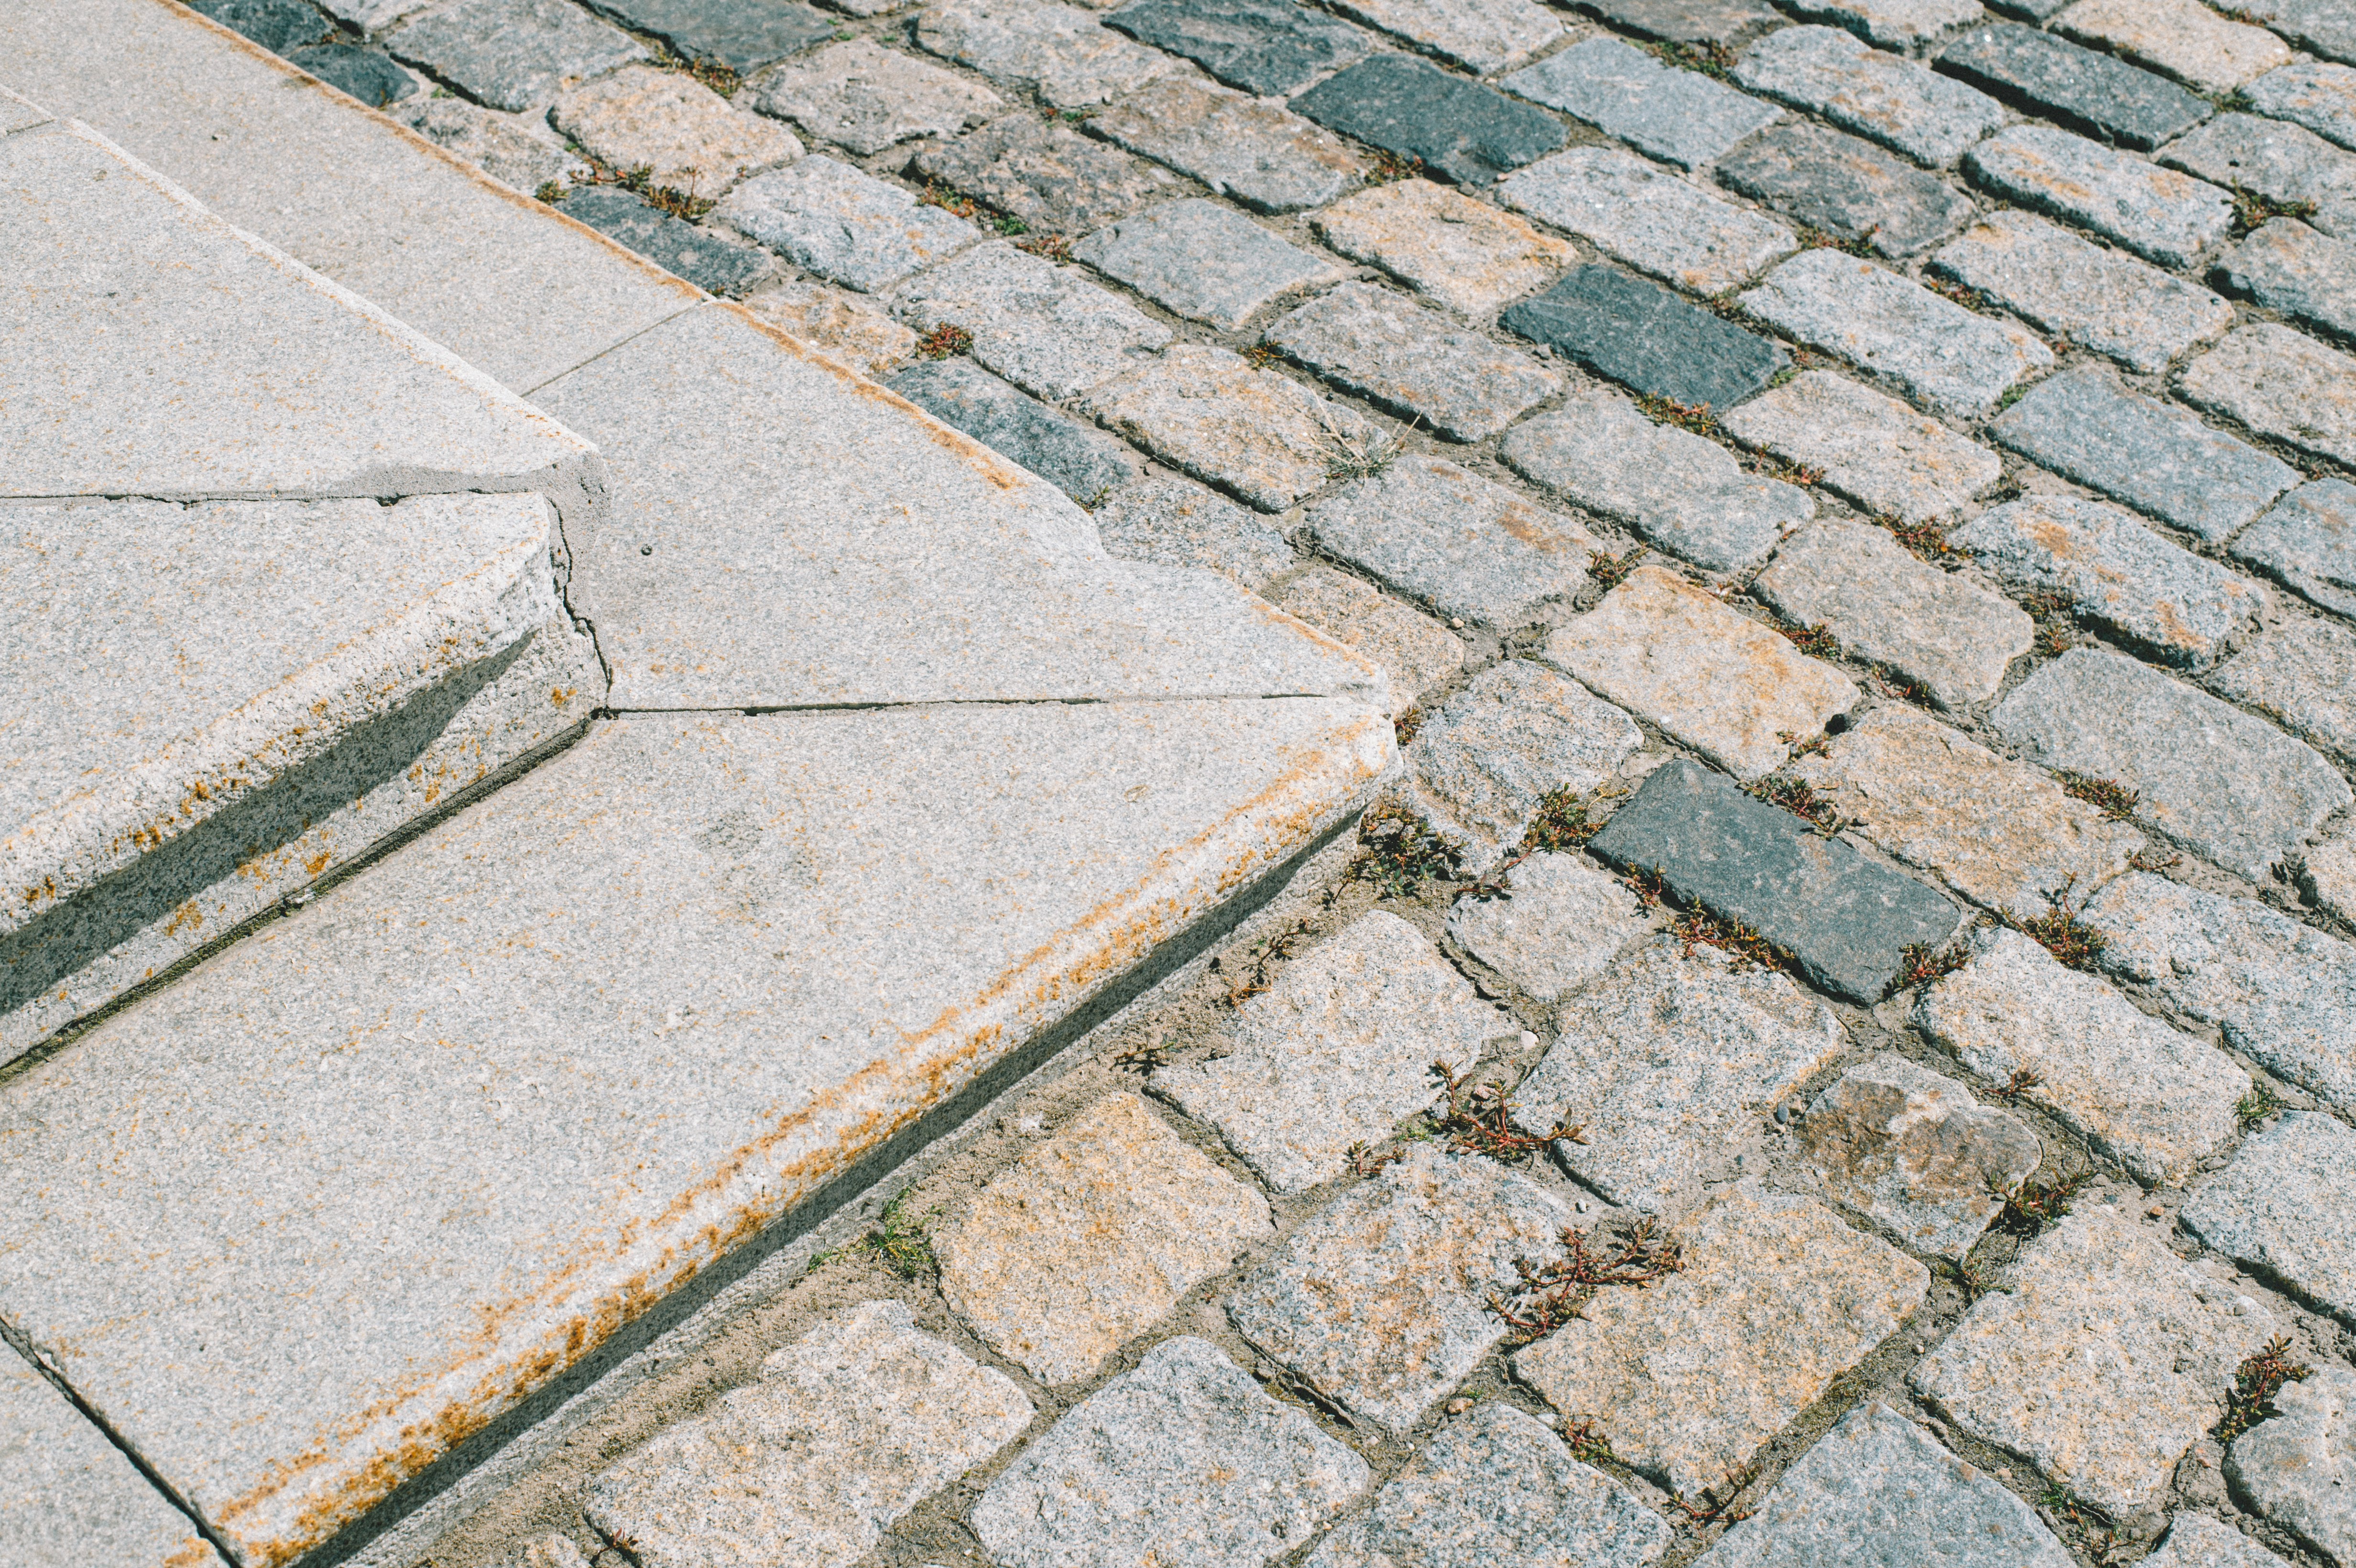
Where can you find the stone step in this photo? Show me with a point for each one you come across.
(68, 1495)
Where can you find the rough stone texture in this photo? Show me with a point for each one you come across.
(1893, 24)
(1563, 924)
(1204, 261)
(1414, 362)
(1091, 1238)
(2196, 1541)
(69, 1498)
(1680, 491)
(674, 125)
(1487, 757)
(841, 224)
(1266, 158)
(1414, 651)
(1915, 1152)
(2003, 835)
(1177, 522)
(1337, 1052)
(2281, 384)
(1934, 348)
(2079, 87)
(1183, 1462)
(1714, 680)
(1263, 437)
(2289, 267)
(2158, 214)
(1647, 338)
(1686, 21)
(1471, 549)
(513, 53)
(1482, 35)
(1045, 173)
(1670, 1062)
(845, 326)
(1269, 47)
(2296, 1469)
(2309, 544)
(2176, 607)
(276, 25)
(2318, 96)
(1083, 463)
(2181, 38)
(865, 97)
(2323, 26)
(515, 149)
(2102, 1359)
(1691, 1376)
(845, 1430)
(2226, 786)
(2302, 674)
(2329, 878)
(1870, 448)
(1464, 254)
(1939, 628)
(1639, 212)
(2283, 1207)
(1846, 187)
(1059, 49)
(2282, 162)
(711, 261)
(1380, 1299)
(743, 35)
(2082, 292)
(365, 74)
(550, 1550)
(2157, 1100)
(1046, 328)
(1883, 97)
(1679, 116)
(1460, 130)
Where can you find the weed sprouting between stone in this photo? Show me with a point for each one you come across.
(1816, 641)
(1800, 798)
(1549, 1295)
(1479, 1119)
(1610, 570)
(2034, 1208)
(1920, 963)
(943, 342)
(2256, 1385)
(1858, 245)
(2252, 210)
(902, 1244)
(1274, 950)
(1713, 60)
(1403, 852)
(1050, 247)
(1695, 417)
(2020, 1081)
(2062, 932)
(2255, 1106)
(1388, 168)
(2110, 797)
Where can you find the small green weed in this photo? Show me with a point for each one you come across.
(1609, 570)
(1713, 60)
(2252, 210)
(1549, 1295)
(2255, 1106)
(901, 1243)
(1479, 1120)
(1800, 798)
(945, 341)
(1403, 852)
(2260, 1379)
(2110, 797)
(2036, 1207)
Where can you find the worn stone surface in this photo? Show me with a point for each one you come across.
(1261, 436)
(1647, 338)
(1413, 362)
(2181, 38)
(1563, 924)
(743, 35)
(2328, 877)
(2281, 384)
(841, 224)
(845, 1430)
(2296, 1469)
(1846, 187)
(1691, 1376)
(1462, 132)
(1883, 97)
(516, 150)
(1268, 48)
(1916, 1152)
(2080, 88)
(366, 74)
(1686, 21)
(1893, 24)
(1639, 212)
(1415, 651)
(1870, 448)
(1083, 463)
(1061, 50)
(276, 25)
(1670, 1062)
(2302, 674)
(2282, 162)
(1203, 261)
(1679, 116)
(1680, 491)
(2196, 1541)
(1714, 680)
(1471, 549)
(1046, 328)
(1173, 520)
(866, 98)
(2082, 292)
(2102, 1359)
(669, 122)
(845, 326)
(1266, 158)
(1184, 1461)
(2283, 1207)
(2313, 93)
(69, 1497)
(1464, 254)
(2322, 26)
(2289, 267)
(2227, 785)
(1045, 173)
(512, 54)
(713, 262)
(1936, 627)
(1380, 1299)
(2158, 214)
(1482, 35)
(2309, 544)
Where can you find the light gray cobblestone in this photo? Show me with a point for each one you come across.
(1413, 361)
(1472, 550)
(1059, 49)
(2296, 1468)
(1562, 925)
(2082, 292)
(2158, 214)
(2196, 1541)
(1268, 158)
(845, 326)
(860, 96)
(2281, 384)
(1679, 116)
(1464, 254)
(668, 122)
(2302, 674)
(2181, 38)
(2309, 544)
(1176, 521)
(2289, 267)
(842, 224)
(1915, 1152)
(517, 150)
(1045, 329)
(1640, 213)
(1893, 24)
(1883, 97)
(1045, 173)
(1413, 649)
(512, 54)
(1870, 448)
(1203, 261)
(1482, 36)
(2314, 93)
(2287, 1207)
(1939, 628)
(1844, 187)
(2282, 162)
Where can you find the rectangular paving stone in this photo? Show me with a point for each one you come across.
(1464, 254)
(2081, 88)
(2158, 214)
(512, 54)
(866, 98)
(1678, 116)
(1045, 173)
(2282, 1208)
(2082, 292)
(2313, 93)
(1893, 24)
(1380, 1299)
(1646, 338)
(1084, 464)
(743, 35)
(1936, 627)
(2222, 784)
(368, 76)
(1266, 158)
(1679, 491)
(2307, 543)
(2196, 1541)
(2292, 1469)
(1461, 131)
(1686, 21)
(1671, 1061)
(2328, 875)
(2289, 267)
(713, 262)
(277, 26)
(2281, 384)
(2281, 163)
(517, 150)
(2322, 26)
(1639, 212)
(2181, 38)
(1060, 51)
(1166, 519)
(1916, 1152)
(1203, 261)
(2302, 674)
(1938, 352)
(1871, 449)
(1471, 549)
(1414, 650)
(1268, 48)
(845, 327)
(1565, 922)
(1048, 329)
(1846, 187)
(1482, 35)
(846, 226)
(1413, 362)
(1883, 97)
(69, 1497)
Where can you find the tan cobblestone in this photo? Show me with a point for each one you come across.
(1462, 252)
(672, 124)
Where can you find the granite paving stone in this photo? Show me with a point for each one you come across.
(2323, 26)
(2102, 1359)
(1670, 1062)
(1687, 21)
(1268, 48)
(1870, 448)
(368, 75)
(1893, 24)
(2283, 1207)
(1486, 759)
(713, 262)
(1846, 187)
(845, 1430)
(1845, 919)
(1061, 50)
(1491, 1487)
(1659, 224)
(1182, 1461)
(1267, 158)
(1260, 436)
(1204, 261)
(1690, 1377)
(1708, 677)
(276, 25)
(1564, 924)
(1679, 491)
(1091, 1237)
(669, 123)
(844, 224)
(1048, 329)
(743, 35)
(1646, 338)
(2289, 267)
(2307, 543)
(1461, 131)
(1914, 1151)
(1085, 465)
(2282, 162)
(1939, 628)
(1173, 520)
(1337, 1052)
(2181, 38)
(2329, 876)
(858, 95)
(370, 15)
(2314, 93)
(1935, 350)
(2196, 1541)
(517, 150)
(1464, 254)
(1380, 1299)
(2281, 384)
(1883, 97)
(2000, 833)
(2158, 214)
(2083, 89)
(1470, 550)
(1482, 35)
(1678, 116)
(1415, 651)
(2302, 674)
(69, 1497)
(846, 326)
(550, 1550)
(1045, 173)
(2296, 1469)
(1413, 362)
(2082, 292)
(512, 54)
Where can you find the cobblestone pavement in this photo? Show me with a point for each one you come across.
(1837, 1044)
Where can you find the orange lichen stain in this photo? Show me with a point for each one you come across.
(196, 1552)
(560, 695)
(188, 914)
(318, 862)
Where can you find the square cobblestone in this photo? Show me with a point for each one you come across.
(1916, 1152)
(512, 54)
(845, 326)
(2302, 674)
(2281, 163)
(2307, 543)
(2158, 214)
(2086, 294)
(1416, 651)
(845, 226)
(1270, 47)
(1482, 35)
(2281, 384)
(2283, 1207)
(1846, 187)
(743, 35)
(1460, 130)
(865, 97)
(2181, 38)
(1059, 49)
(1046, 328)
(2083, 89)
(1203, 261)
(674, 125)
(1883, 97)
(2294, 1468)
(1646, 338)
(2317, 95)
(1563, 925)
(1177, 522)
(1045, 173)
(1893, 24)
(1085, 465)
(1471, 549)
(1413, 362)
(2289, 267)
(1871, 449)
(1655, 222)
(713, 262)
(1267, 158)
(1464, 254)
(1679, 116)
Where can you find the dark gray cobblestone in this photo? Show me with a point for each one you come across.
(1846, 187)
(2078, 87)
(1646, 338)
